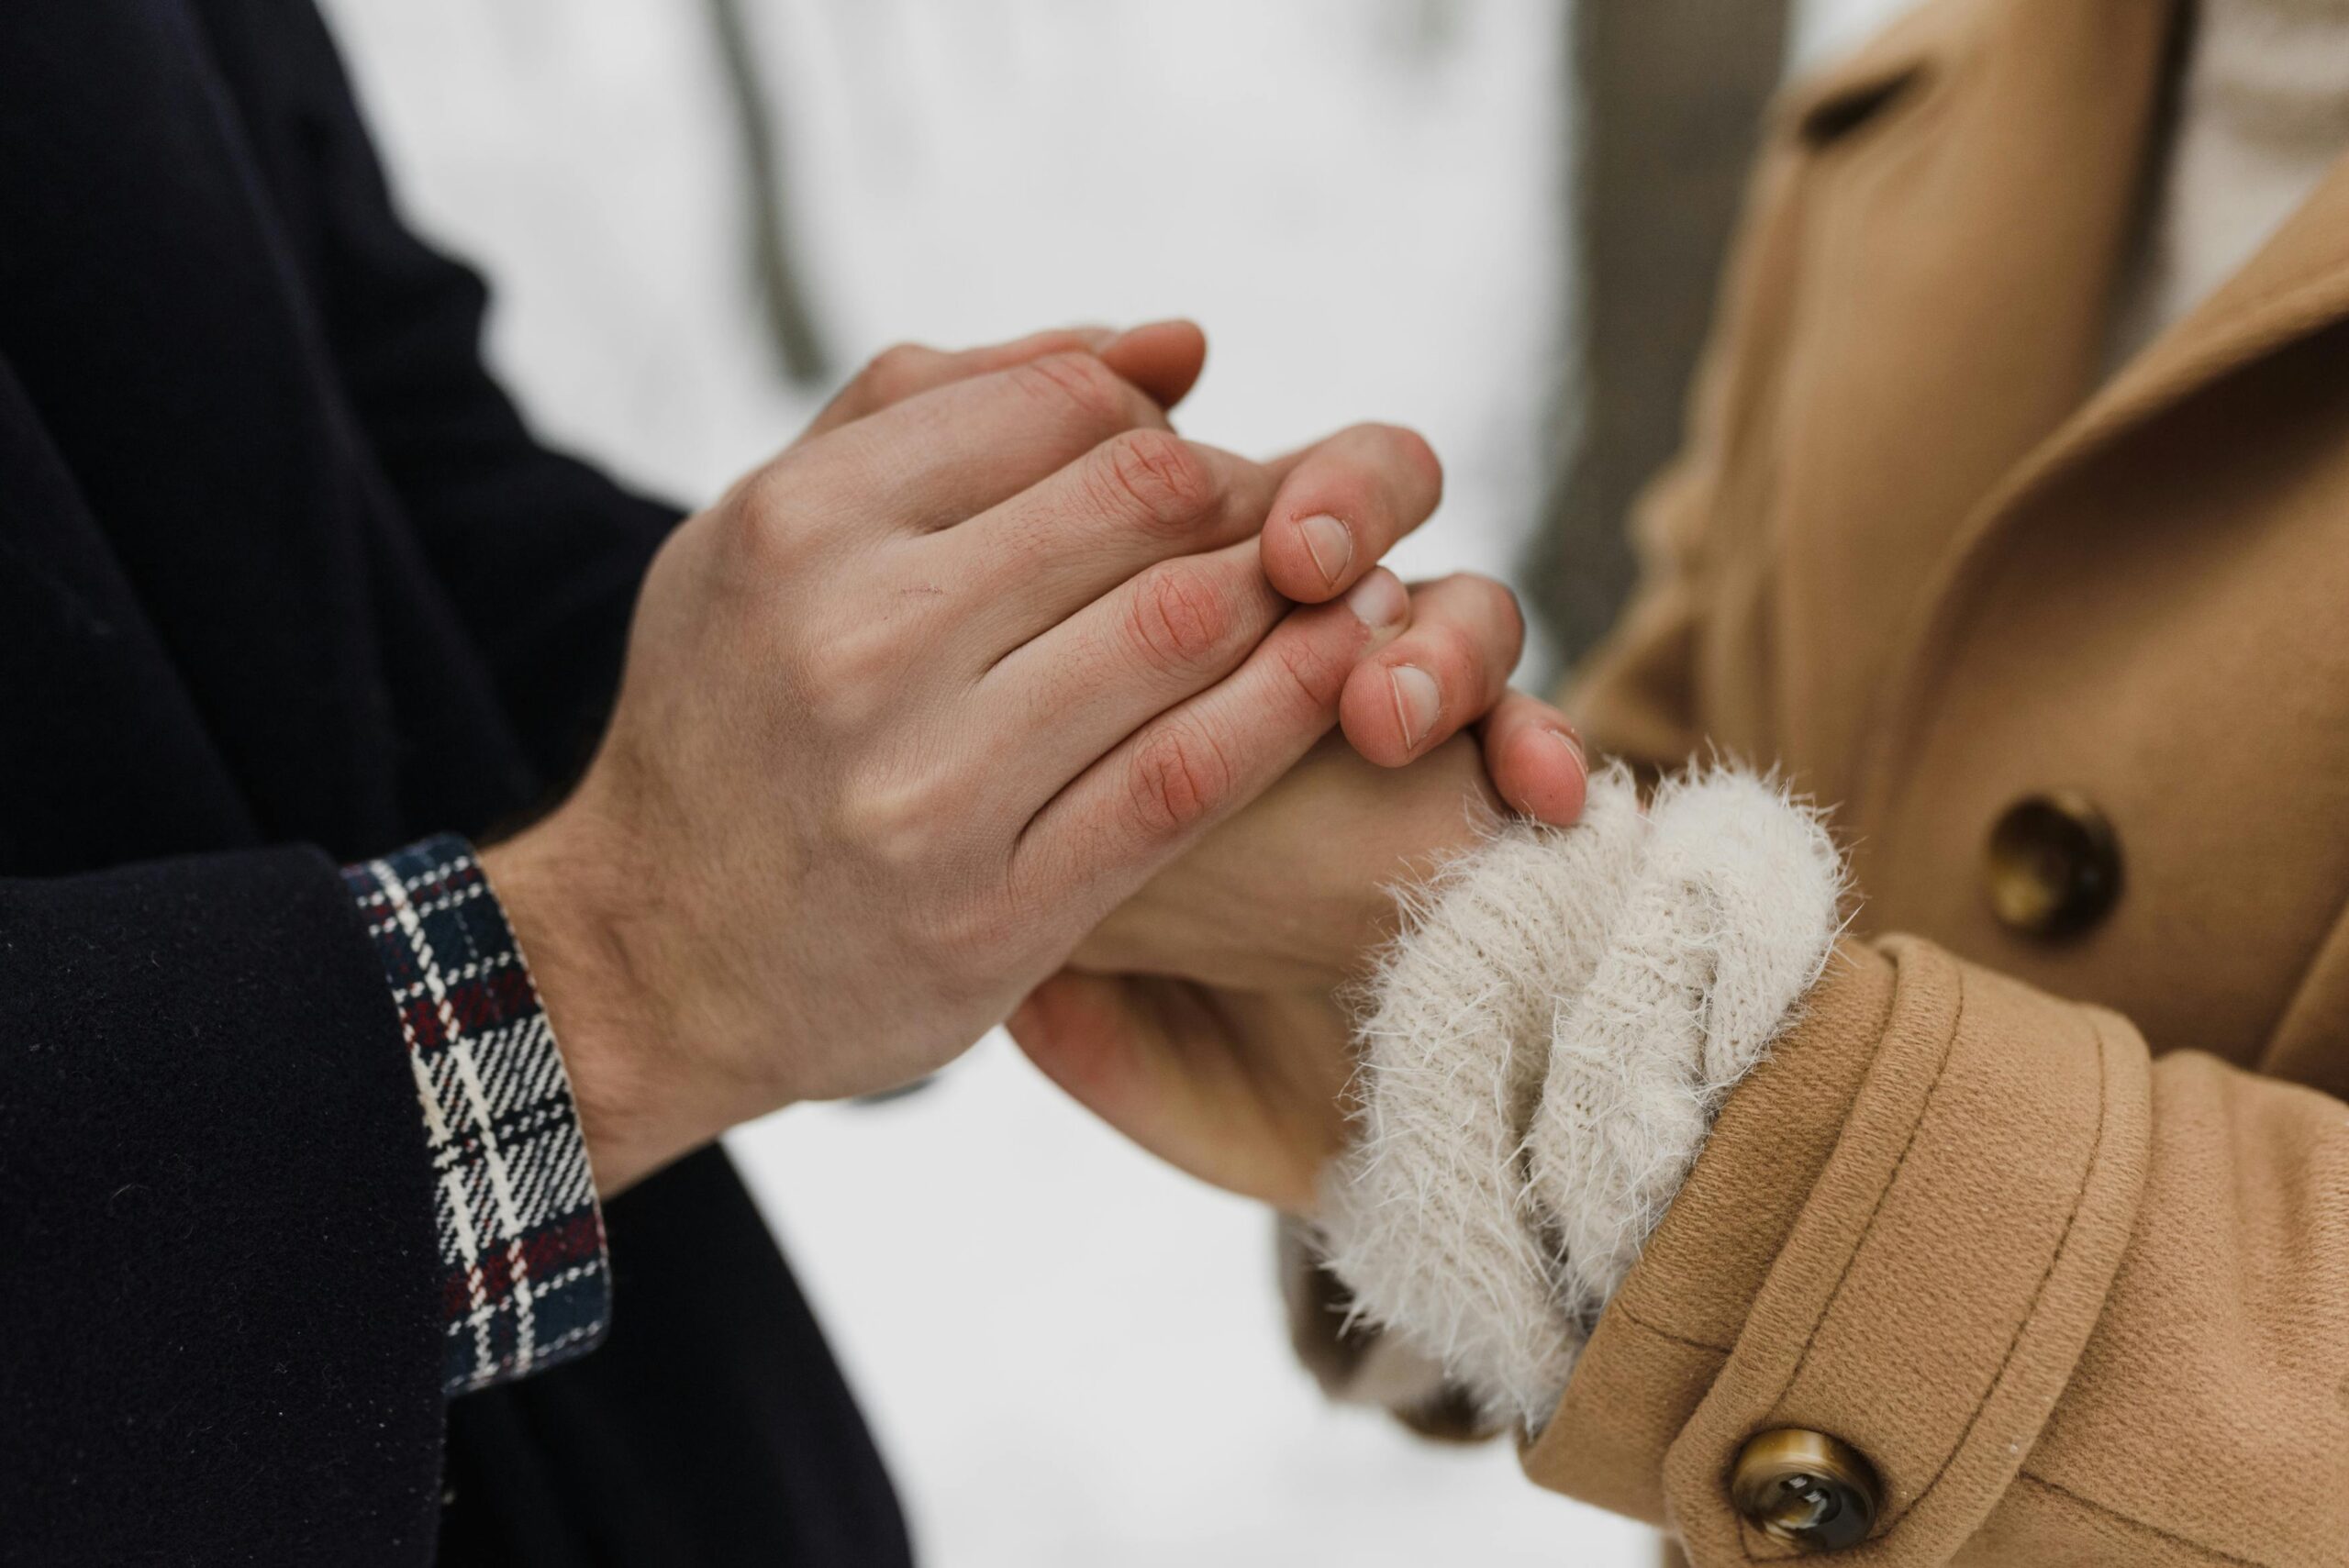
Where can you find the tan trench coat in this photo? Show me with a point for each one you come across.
(2054, 1231)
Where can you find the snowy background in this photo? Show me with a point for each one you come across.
(1071, 1356)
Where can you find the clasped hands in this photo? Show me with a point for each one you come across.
(993, 698)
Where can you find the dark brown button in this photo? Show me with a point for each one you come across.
(2054, 865)
(1806, 1488)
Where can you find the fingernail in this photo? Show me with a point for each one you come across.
(1330, 543)
(1417, 702)
(1378, 601)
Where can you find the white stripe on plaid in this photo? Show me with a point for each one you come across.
(527, 1282)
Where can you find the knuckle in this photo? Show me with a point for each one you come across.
(850, 670)
(968, 936)
(1316, 670)
(1452, 657)
(1179, 620)
(892, 823)
(756, 522)
(1157, 476)
(1080, 387)
(1055, 341)
(914, 820)
(894, 372)
(1496, 603)
(1180, 778)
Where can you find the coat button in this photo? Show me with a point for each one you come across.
(1806, 1488)
(2054, 865)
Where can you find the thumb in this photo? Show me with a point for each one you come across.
(1161, 1062)
(1083, 1032)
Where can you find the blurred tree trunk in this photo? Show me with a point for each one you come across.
(792, 333)
(1670, 96)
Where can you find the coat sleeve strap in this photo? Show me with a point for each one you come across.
(2072, 1304)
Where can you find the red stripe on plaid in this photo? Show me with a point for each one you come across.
(545, 1254)
(517, 1211)
(480, 1002)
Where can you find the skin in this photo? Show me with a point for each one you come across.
(1204, 1020)
(915, 706)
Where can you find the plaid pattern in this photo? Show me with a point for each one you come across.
(525, 1284)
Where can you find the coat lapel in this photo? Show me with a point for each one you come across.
(2297, 286)
(1959, 265)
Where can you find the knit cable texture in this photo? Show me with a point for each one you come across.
(1543, 1050)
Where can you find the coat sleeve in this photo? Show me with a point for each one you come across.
(2078, 1306)
(220, 1313)
(2075, 1305)
(540, 554)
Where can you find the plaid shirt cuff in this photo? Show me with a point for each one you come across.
(525, 1282)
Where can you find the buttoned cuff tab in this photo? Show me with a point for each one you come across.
(525, 1281)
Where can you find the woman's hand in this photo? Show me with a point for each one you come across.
(1201, 1018)
(1244, 1090)
(1241, 1080)
(1294, 892)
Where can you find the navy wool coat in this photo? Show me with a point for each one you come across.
(284, 582)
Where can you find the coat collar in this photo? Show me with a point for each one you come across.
(2297, 284)
(1961, 204)
(2293, 287)
(1922, 42)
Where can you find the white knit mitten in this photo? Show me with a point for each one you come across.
(1544, 1050)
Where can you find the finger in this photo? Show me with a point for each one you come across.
(1445, 671)
(950, 452)
(1090, 1035)
(905, 370)
(1162, 358)
(1156, 1060)
(1162, 635)
(1136, 807)
(1141, 497)
(1535, 759)
(1343, 504)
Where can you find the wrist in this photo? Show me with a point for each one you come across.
(1432, 829)
(603, 987)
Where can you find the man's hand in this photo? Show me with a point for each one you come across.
(910, 710)
(1336, 514)
(1340, 507)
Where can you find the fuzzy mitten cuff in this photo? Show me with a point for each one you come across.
(1543, 1052)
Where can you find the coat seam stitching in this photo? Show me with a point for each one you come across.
(1883, 1194)
(2062, 1244)
(2213, 1552)
(1924, 1108)
(1661, 1333)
